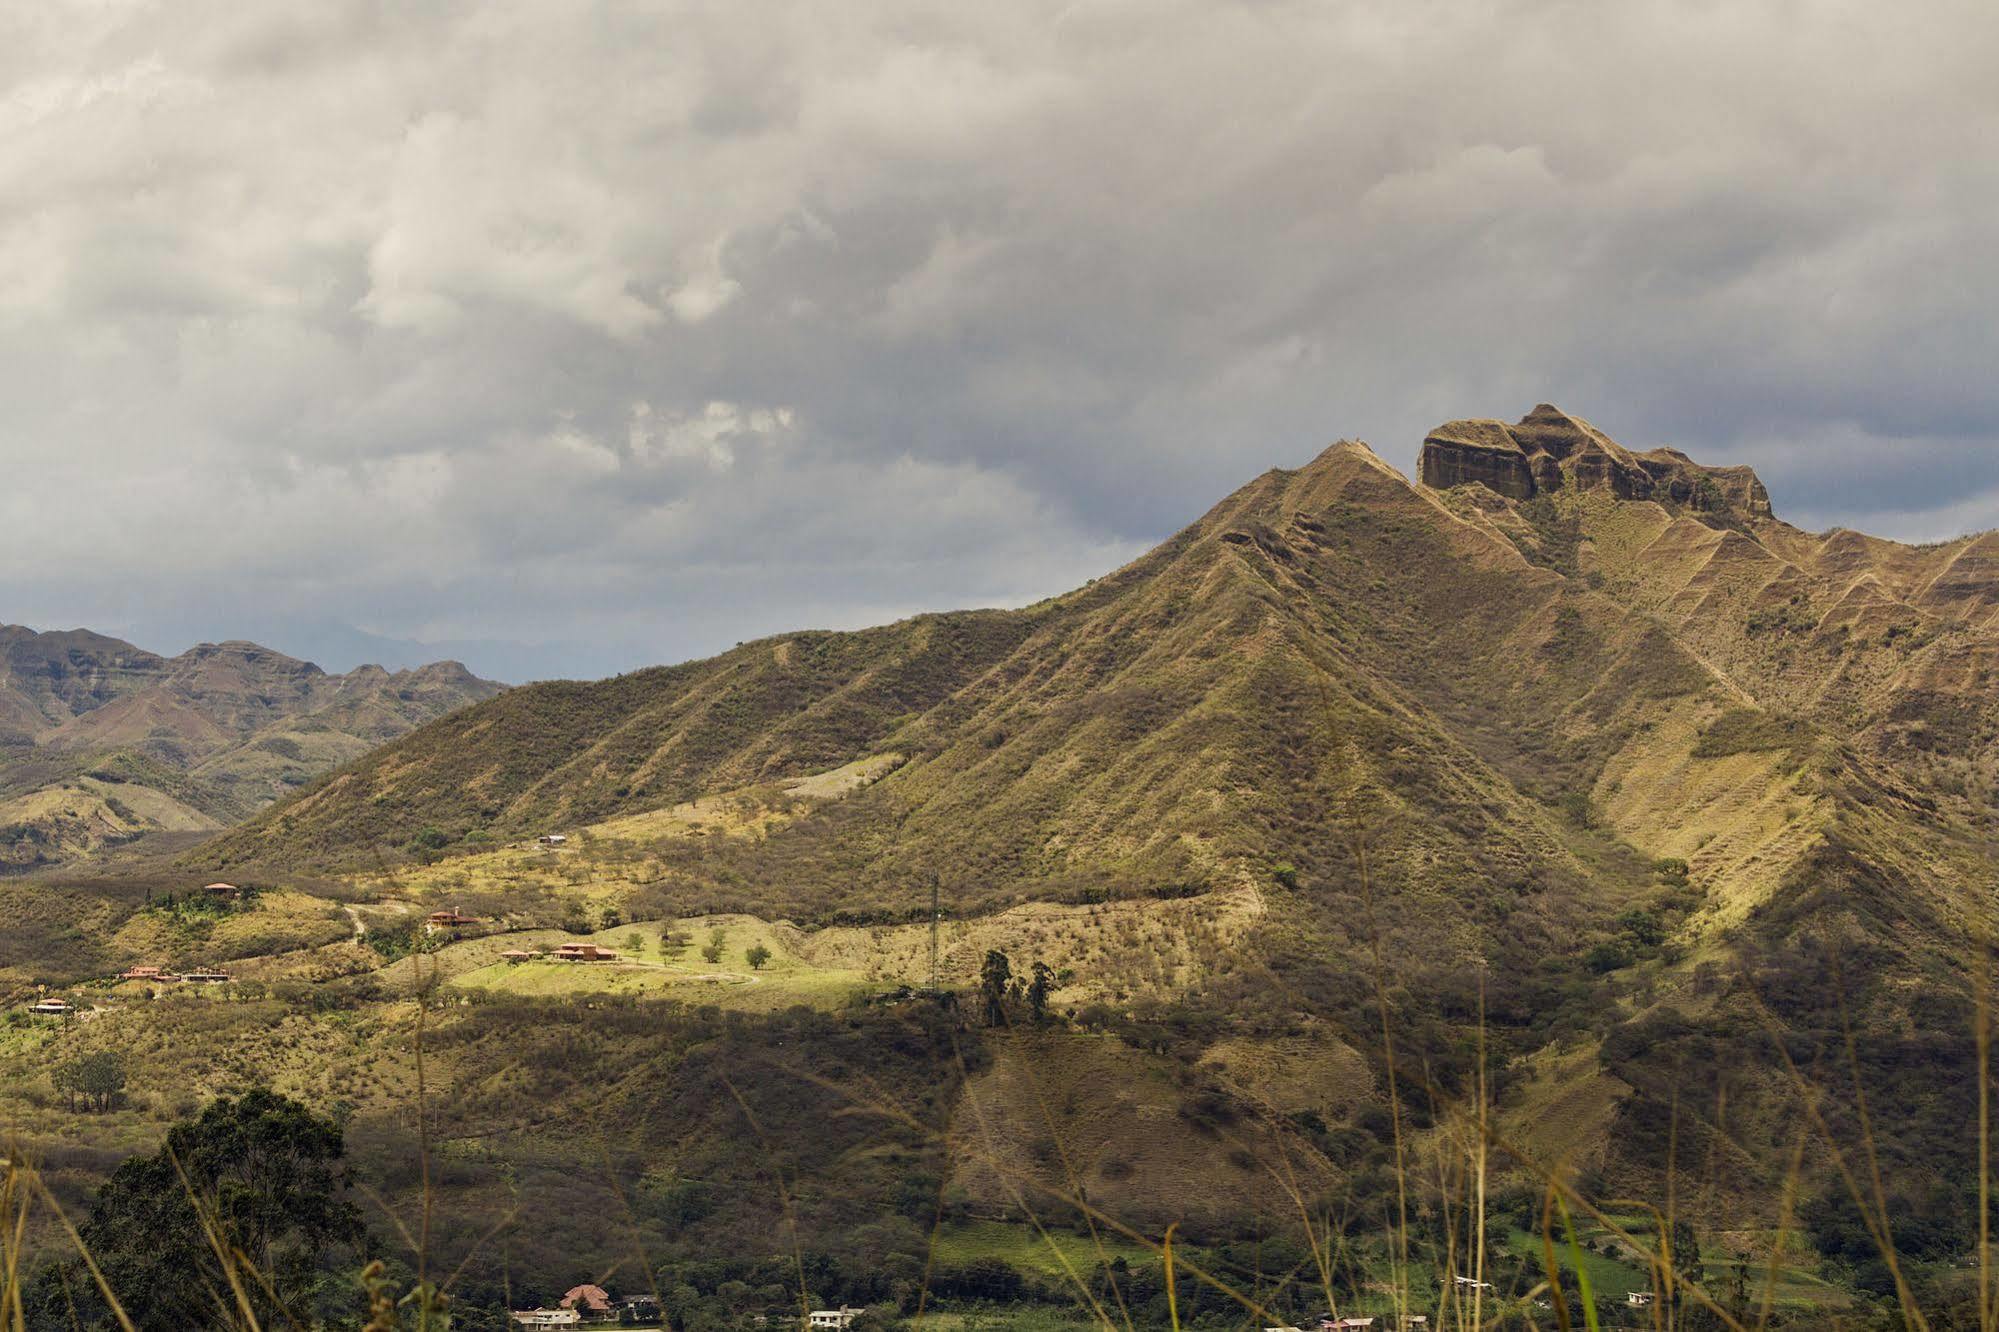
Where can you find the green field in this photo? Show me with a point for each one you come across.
(1609, 1277)
(1022, 1248)
(655, 969)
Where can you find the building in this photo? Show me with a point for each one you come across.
(546, 1317)
(438, 921)
(206, 976)
(51, 1007)
(519, 955)
(1470, 1283)
(592, 1302)
(837, 1319)
(585, 953)
(222, 892)
(1639, 1299)
(551, 839)
(154, 974)
(1330, 1324)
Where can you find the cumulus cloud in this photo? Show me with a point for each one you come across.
(637, 330)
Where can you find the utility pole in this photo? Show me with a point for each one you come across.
(935, 916)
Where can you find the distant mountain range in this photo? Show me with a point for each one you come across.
(101, 741)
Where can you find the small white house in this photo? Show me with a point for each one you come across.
(839, 1320)
(551, 839)
(546, 1317)
(1639, 1299)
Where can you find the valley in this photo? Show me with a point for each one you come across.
(1561, 819)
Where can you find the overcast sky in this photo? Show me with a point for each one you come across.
(575, 337)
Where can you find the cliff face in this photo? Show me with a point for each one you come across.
(1548, 450)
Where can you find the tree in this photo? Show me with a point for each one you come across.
(1687, 1252)
(1037, 991)
(994, 978)
(635, 943)
(97, 1077)
(428, 844)
(1688, 1269)
(262, 1176)
(756, 957)
(100, 1077)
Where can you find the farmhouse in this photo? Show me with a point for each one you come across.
(51, 1007)
(551, 839)
(519, 955)
(222, 892)
(594, 1302)
(575, 952)
(1330, 1324)
(438, 921)
(839, 1319)
(157, 974)
(1639, 1299)
(206, 976)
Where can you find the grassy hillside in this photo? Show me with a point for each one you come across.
(1616, 816)
(1517, 710)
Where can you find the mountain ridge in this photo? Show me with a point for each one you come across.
(87, 721)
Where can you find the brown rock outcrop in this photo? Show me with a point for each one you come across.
(1548, 450)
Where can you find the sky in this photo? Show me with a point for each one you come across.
(568, 338)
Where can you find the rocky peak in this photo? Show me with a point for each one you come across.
(1548, 450)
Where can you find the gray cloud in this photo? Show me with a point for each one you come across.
(620, 334)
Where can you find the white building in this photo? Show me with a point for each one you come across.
(546, 1317)
(839, 1320)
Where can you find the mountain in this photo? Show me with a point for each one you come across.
(101, 741)
(1591, 722)
(1567, 772)
(1548, 623)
